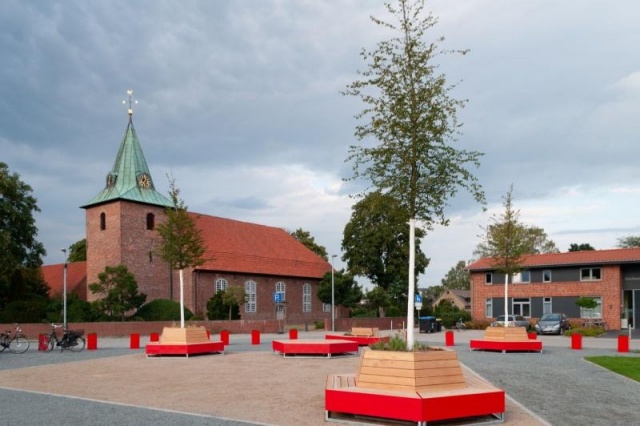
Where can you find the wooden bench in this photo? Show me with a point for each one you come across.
(314, 347)
(183, 341)
(365, 331)
(506, 339)
(428, 390)
(360, 340)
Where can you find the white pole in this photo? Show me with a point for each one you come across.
(506, 309)
(181, 299)
(412, 280)
(333, 297)
(64, 291)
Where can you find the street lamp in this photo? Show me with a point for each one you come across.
(333, 297)
(64, 291)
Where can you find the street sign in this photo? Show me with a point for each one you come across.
(418, 306)
(418, 298)
(277, 297)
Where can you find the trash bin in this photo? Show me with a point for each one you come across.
(427, 324)
(438, 324)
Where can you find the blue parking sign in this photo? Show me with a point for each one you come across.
(418, 298)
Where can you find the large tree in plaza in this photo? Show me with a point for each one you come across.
(408, 125)
(20, 251)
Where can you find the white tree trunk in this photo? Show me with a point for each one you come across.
(412, 283)
(506, 305)
(181, 299)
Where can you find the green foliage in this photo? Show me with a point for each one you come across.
(223, 306)
(78, 251)
(409, 111)
(629, 242)
(625, 366)
(586, 331)
(376, 241)
(347, 292)
(77, 310)
(233, 297)
(587, 302)
(458, 278)
(450, 314)
(161, 310)
(319, 325)
(580, 247)
(119, 291)
(305, 238)
(20, 252)
(33, 310)
(377, 300)
(395, 343)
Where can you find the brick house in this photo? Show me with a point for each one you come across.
(553, 282)
(121, 223)
(459, 298)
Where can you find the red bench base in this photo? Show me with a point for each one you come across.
(186, 349)
(360, 340)
(420, 407)
(314, 347)
(506, 346)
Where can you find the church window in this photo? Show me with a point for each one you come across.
(151, 221)
(103, 221)
(281, 289)
(221, 284)
(306, 297)
(250, 291)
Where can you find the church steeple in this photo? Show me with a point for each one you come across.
(129, 178)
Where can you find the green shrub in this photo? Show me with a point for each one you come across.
(25, 311)
(319, 325)
(161, 310)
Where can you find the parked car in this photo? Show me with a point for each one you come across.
(514, 321)
(553, 323)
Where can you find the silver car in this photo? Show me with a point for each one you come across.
(552, 324)
(514, 321)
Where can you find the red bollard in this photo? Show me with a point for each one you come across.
(448, 338)
(208, 335)
(293, 333)
(576, 341)
(623, 343)
(154, 337)
(255, 337)
(224, 336)
(43, 342)
(134, 341)
(92, 341)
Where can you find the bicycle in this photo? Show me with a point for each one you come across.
(71, 339)
(17, 344)
(460, 325)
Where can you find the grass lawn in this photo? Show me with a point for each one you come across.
(625, 366)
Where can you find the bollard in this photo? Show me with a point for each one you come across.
(134, 341)
(43, 342)
(255, 337)
(293, 334)
(92, 341)
(448, 338)
(224, 336)
(208, 335)
(576, 341)
(623, 343)
(532, 335)
(154, 337)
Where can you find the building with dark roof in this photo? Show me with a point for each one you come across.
(553, 282)
(121, 223)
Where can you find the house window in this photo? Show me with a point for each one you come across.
(250, 292)
(306, 297)
(326, 307)
(590, 274)
(522, 306)
(546, 276)
(488, 308)
(592, 313)
(151, 221)
(103, 221)
(546, 305)
(488, 278)
(521, 277)
(221, 284)
(281, 289)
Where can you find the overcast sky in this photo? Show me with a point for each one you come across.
(240, 101)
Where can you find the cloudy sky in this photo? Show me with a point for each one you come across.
(240, 101)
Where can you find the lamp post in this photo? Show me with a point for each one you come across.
(333, 296)
(64, 291)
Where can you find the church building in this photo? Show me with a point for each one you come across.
(121, 221)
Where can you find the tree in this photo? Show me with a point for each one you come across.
(347, 292)
(458, 278)
(182, 245)
(78, 251)
(233, 296)
(378, 300)
(20, 252)
(629, 242)
(305, 238)
(376, 241)
(580, 247)
(409, 110)
(119, 291)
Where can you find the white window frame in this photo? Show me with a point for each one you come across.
(521, 304)
(547, 305)
(521, 277)
(591, 274)
(547, 276)
(488, 307)
(326, 307)
(221, 284)
(306, 297)
(281, 288)
(250, 289)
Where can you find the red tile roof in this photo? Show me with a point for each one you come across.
(588, 257)
(243, 247)
(76, 278)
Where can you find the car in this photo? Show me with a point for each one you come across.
(514, 321)
(553, 323)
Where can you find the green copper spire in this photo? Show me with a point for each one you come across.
(130, 179)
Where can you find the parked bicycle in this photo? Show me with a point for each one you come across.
(460, 325)
(16, 343)
(71, 339)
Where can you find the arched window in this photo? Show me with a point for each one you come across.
(281, 289)
(221, 284)
(306, 297)
(103, 221)
(250, 292)
(151, 221)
